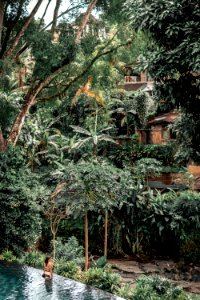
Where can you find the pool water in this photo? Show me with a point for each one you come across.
(20, 282)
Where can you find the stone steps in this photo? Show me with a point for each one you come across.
(130, 270)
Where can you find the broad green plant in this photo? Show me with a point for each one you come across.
(103, 279)
(33, 258)
(8, 255)
(155, 287)
(69, 250)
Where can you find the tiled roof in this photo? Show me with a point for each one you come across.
(133, 86)
(160, 185)
(167, 118)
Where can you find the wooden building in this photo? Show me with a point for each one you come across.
(158, 131)
(134, 81)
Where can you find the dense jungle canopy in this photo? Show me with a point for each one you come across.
(68, 148)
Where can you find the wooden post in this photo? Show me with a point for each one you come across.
(86, 240)
(2, 3)
(106, 234)
(54, 247)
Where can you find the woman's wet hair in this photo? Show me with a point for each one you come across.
(47, 259)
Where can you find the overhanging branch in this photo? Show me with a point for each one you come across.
(75, 79)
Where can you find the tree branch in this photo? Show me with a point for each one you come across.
(45, 11)
(10, 24)
(84, 20)
(25, 46)
(75, 79)
(23, 29)
(2, 3)
(62, 14)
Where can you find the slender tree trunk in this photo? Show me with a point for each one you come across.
(54, 246)
(19, 121)
(23, 29)
(23, 48)
(86, 241)
(85, 20)
(45, 11)
(29, 100)
(11, 26)
(3, 142)
(2, 2)
(55, 16)
(94, 151)
(106, 234)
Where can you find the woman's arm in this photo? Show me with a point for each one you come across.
(51, 268)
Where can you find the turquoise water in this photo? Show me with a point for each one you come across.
(21, 282)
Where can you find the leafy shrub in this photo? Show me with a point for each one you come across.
(21, 197)
(70, 250)
(33, 258)
(103, 279)
(173, 169)
(126, 291)
(163, 224)
(157, 288)
(190, 247)
(187, 225)
(8, 256)
(170, 196)
(67, 269)
(147, 167)
(101, 262)
(164, 153)
(189, 196)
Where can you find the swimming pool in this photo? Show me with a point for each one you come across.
(21, 283)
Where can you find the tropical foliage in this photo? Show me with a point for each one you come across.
(74, 180)
(173, 60)
(21, 202)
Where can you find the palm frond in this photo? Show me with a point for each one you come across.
(132, 111)
(79, 129)
(80, 143)
(53, 144)
(107, 138)
(106, 129)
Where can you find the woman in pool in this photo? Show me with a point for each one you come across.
(48, 268)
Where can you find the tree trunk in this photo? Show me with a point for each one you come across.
(86, 240)
(29, 100)
(85, 20)
(3, 142)
(55, 16)
(94, 151)
(2, 2)
(11, 26)
(54, 246)
(19, 122)
(44, 14)
(106, 234)
(23, 29)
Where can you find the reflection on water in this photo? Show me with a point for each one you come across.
(25, 283)
(49, 286)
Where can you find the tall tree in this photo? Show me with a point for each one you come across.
(2, 3)
(22, 30)
(53, 62)
(99, 187)
(55, 15)
(35, 89)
